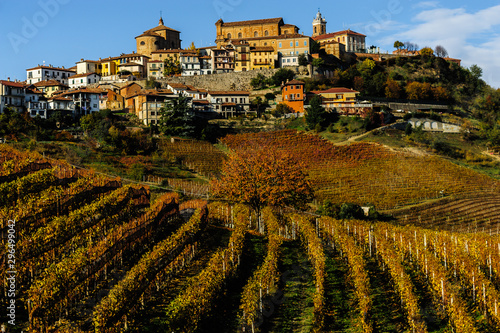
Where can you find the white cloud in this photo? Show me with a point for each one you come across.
(426, 4)
(472, 37)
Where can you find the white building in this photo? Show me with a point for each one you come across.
(190, 63)
(87, 66)
(12, 94)
(61, 103)
(83, 80)
(229, 103)
(45, 73)
(85, 100)
(35, 102)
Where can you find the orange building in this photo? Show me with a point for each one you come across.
(293, 95)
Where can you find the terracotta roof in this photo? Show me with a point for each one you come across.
(33, 91)
(253, 22)
(162, 27)
(178, 86)
(90, 61)
(216, 93)
(289, 26)
(131, 55)
(288, 36)
(12, 84)
(82, 75)
(154, 61)
(294, 82)
(130, 64)
(338, 33)
(85, 91)
(201, 101)
(151, 92)
(130, 84)
(60, 98)
(149, 34)
(335, 90)
(53, 68)
(228, 104)
(168, 51)
(262, 49)
(205, 57)
(49, 83)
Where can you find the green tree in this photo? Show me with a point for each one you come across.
(303, 60)
(258, 82)
(351, 211)
(427, 52)
(270, 96)
(398, 45)
(172, 67)
(282, 75)
(316, 113)
(282, 109)
(318, 63)
(259, 105)
(315, 47)
(177, 118)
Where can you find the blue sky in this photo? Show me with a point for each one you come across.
(61, 32)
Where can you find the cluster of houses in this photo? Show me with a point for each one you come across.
(241, 46)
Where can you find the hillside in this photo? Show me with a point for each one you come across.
(107, 257)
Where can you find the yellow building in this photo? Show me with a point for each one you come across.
(162, 55)
(262, 57)
(291, 46)
(242, 56)
(337, 97)
(257, 33)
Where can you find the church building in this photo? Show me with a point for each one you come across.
(158, 38)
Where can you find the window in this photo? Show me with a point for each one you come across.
(280, 46)
(294, 60)
(256, 34)
(297, 43)
(229, 36)
(266, 33)
(305, 43)
(240, 35)
(154, 66)
(297, 87)
(291, 44)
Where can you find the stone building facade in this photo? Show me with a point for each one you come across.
(158, 38)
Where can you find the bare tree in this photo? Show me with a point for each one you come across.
(409, 46)
(440, 51)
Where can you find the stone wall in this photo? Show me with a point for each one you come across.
(220, 82)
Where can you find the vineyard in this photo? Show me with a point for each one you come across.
(368, 173)
(471, 214)
(92, 254)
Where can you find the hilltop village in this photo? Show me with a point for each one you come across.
(140, 82)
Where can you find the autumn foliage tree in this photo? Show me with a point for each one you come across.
(393, 89)
(260, 178)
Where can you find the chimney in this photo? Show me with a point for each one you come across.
(8, 79)
(81, 59)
